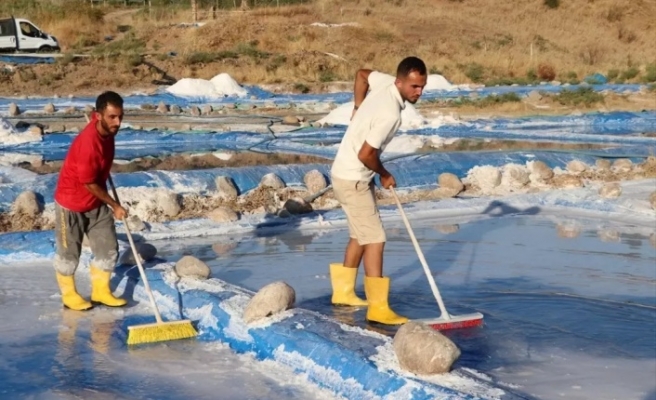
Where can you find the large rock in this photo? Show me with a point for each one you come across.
(622, 165)
(297, 205)
(226, 187)
(603, 164)
(540, 171)
(315, 181)
(576, 167)
(192, 267)
(167, 203)
(135, 223)
(450, 181)
(515, 176)
(13, 110)
(423, 350)
(272, 299)
(146, 252)
(272, 180)
(223, 214)
(27, 204)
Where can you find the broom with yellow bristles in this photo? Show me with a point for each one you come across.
(160, 330)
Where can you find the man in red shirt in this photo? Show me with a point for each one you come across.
(82, 207)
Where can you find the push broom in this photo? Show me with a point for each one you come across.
(160, 330)
(446, 320)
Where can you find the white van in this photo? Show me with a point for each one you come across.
(17, 34)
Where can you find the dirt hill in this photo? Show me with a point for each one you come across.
(482, 41)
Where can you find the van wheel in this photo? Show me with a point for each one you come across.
(45, 49)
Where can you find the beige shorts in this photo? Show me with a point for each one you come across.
(359, 203)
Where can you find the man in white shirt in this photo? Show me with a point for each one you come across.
(374, 123)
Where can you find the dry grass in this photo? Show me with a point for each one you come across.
(468, 41)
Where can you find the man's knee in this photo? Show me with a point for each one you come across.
(66, 265)
(102, 239)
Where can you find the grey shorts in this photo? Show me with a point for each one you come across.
(358, 200)
(70, 228)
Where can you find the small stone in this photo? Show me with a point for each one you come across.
(194, 111)
(36, 130)
(290, 120)
(13, 110)
(175, 109)
(652, 200)
(88, 109)
(207, 109)
(49, 108)
(70, 110)
(162, 107)
(226, 187)
(448, 229)
(148, 107)
(192, 267)
(611, 190)
(272, 299)
(423, 350)
(223, 214)
(315, 181)
(576, 167)
(272, 180)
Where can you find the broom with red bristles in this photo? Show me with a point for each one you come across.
(446, 320)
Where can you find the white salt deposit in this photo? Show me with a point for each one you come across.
(222, 85)
(438, 82)
(9, 135)
(15, 174)
(410, 117)
(485, 177)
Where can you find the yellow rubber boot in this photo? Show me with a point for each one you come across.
(100, 292)
(70, 297)
(342, 280)
(377, 290)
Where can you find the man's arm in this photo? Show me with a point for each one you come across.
(368, 156)
(101, 193)
(361, 86)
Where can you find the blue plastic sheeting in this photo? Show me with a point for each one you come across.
(259, 96)
(16, 59)
(617, 122)
(312, 345)
(609, 128)
(409, 171)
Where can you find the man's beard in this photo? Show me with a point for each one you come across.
(107, 128)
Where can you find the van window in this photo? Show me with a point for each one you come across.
(29, 29)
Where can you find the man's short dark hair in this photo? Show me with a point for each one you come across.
(410, 64)
(106, 98)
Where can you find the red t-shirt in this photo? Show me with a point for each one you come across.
(89, 159)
